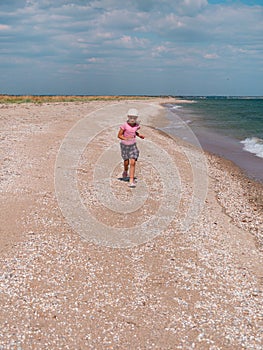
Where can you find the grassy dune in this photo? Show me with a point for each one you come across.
(82, 98)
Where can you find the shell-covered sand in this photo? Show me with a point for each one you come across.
(194, 288)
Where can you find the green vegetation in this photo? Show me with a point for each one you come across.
(51, 98)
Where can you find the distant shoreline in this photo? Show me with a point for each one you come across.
(7, 98)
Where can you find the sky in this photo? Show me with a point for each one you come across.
(131, 47)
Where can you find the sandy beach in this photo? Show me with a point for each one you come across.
(175, 263)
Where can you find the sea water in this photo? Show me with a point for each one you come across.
(229, 127)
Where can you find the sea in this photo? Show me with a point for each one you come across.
(231, 127)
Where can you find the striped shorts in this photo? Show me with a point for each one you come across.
(129, 151)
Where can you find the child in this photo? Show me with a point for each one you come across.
(129, 150)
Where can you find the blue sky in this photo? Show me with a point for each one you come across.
(145, 47)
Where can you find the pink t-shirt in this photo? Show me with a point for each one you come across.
(129, 131)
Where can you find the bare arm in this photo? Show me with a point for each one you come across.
(121, 136)
(139, 135)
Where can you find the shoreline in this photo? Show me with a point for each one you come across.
(232, 150)
(239, 195)
(60, 290)
(220, 145)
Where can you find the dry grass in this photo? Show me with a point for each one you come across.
(52, 98)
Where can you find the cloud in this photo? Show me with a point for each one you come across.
(211, 56)
(136, 36)
(129, 42)
(4, 27)
(191, 7)
(95, 60)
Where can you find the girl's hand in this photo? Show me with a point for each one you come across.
(141, 136)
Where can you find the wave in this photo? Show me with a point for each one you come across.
(175, 125)
(253, 145)
(172, 106)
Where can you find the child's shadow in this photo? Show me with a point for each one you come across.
(126, 179)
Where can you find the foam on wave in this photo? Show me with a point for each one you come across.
(253, 145)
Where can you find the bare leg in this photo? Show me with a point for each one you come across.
(126, 165)
(132, 169)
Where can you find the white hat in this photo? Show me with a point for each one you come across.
(133, 113)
